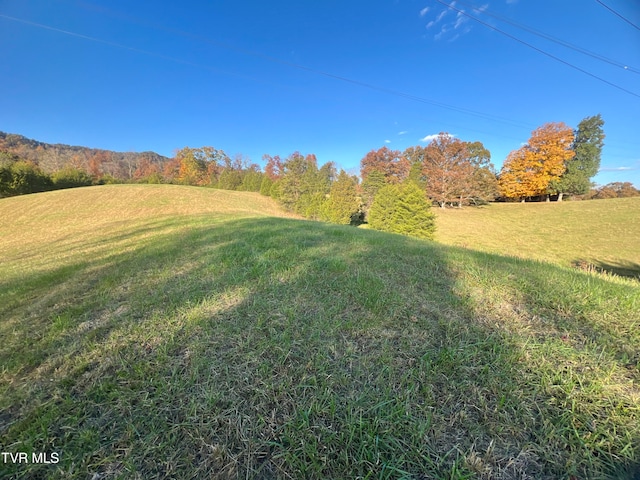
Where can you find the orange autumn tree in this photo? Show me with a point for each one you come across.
(528, 171)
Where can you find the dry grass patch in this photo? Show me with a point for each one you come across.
(602, 233)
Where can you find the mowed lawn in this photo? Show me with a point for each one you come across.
(603, 233)
(181, 332)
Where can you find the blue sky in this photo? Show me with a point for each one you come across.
(334, 78)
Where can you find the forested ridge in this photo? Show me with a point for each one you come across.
(54, 157)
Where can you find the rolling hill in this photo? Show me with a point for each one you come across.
(603, 233)
(177, 332)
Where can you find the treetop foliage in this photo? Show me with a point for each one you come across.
(587, 145)
(532, 169)
(448, 169)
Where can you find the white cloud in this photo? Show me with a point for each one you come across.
(424, 11)
(387, 141)
(459, 21)
(481, 8)
(430, 138)
(433, 136)
(616, 169)
(404, 132)
(440, 34)
(449, 26)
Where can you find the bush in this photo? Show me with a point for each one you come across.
(402, 209)
(22, 177)
(71, 177)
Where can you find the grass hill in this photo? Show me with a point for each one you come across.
(177, 332)
(603, 233)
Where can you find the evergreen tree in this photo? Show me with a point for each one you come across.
(382, 211)
(294, 181)
(417, 176)
(251, 180)
(403, 209)
(370, 187)
(343, 202)
(230, 179)
(265, 186)
(276, 190)
(413, 215)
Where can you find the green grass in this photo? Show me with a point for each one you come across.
(604, 234)
(176, 332)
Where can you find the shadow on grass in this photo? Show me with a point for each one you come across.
(274, 348)
(621, 268)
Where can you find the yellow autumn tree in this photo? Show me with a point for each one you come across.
(528, 171)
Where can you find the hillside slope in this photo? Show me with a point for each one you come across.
(604, 233)
(52, 157)
(177, 332)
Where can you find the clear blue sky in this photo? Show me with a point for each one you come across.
(255, 77)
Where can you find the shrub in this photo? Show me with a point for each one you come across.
(402, 209)
(21, 177)
(70, 177)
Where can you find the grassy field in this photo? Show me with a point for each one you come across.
(177, 332)
(603, 233)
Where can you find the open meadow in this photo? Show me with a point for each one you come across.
(156, 331)
(604, 234)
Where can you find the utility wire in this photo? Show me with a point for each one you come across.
(537, 49)
(616, 13)
(122, 46)
(370, 86)
(546, 36)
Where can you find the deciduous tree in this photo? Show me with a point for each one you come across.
(273, 168)
(391, 163)
(448, 169)
(530, 170)
(617, 190)
(147, 171)
(192, 169)
(19, 177)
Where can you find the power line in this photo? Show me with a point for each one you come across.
(616, 13)
(537, 49)
(122, 46)
(546, 36)
(359, 83)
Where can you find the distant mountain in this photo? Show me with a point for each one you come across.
(53, 157)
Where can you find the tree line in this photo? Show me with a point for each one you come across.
(394, 191)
